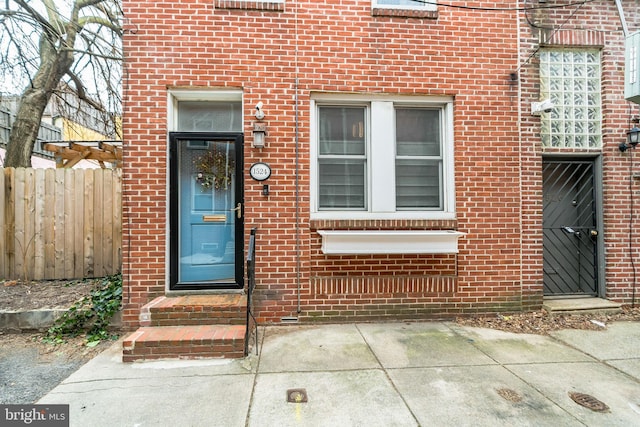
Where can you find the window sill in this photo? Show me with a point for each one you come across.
(404, 13)
(353, 242)
(273, 6)
(380, 216)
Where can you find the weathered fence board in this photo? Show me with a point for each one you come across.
(60, 223)
(39, 242)
(3, 228)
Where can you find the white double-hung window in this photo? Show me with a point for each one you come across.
(382, 158)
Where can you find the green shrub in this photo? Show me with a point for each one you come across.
(91, 315)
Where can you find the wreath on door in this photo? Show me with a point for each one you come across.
(215, 169)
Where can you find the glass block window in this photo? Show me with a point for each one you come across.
(570, 78)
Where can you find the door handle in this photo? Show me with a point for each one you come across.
(238, 210)
(570, 230)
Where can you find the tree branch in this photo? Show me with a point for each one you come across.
(21, 54)
(80, 4)
(82, 22)
(82, 94)
(54, 16)
(95, 54)
(41, 20)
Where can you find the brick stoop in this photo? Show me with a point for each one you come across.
(219, 309)
(189, 327)
(184, 342)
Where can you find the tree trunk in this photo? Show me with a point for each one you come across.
(54, 64)
(25, 128)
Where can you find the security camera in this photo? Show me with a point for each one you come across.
(545, 106)
(259, 112)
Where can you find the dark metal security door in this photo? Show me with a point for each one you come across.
(570, 228)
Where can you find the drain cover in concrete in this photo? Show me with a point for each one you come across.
(510, 395)
(297, 395)
(588, 401)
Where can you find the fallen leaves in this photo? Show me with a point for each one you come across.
(542, 322)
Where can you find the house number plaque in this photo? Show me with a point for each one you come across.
(260, 171)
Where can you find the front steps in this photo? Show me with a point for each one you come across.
(189, 327)
(580, 305)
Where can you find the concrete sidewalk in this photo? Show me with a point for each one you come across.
(388, 374)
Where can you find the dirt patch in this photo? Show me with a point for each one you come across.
(30, 367)
(61, 294)
(542, 322)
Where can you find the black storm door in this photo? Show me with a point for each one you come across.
(206, 211)
(570, 228)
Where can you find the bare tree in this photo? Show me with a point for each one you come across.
(51, 48)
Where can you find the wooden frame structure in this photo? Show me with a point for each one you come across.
(69, 153)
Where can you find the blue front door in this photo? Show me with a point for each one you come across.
(206, 211)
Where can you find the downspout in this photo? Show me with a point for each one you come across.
(625, 31)
(298, 310)
(623, 21)
(297, 144)
(515, 79)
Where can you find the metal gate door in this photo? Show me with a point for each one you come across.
(570, 229)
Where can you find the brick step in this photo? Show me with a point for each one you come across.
(218, 309)
(185, 342)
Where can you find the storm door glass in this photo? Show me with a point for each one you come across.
(207, 211)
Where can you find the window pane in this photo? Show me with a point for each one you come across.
(341, 130)
(342, 184)
(210, 116)
(418, 184)
(417, 132)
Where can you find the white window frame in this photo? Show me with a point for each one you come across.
(380, 169)
(176, 95)
(424, 6)
(173, 97)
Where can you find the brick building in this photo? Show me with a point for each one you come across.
(394, 158)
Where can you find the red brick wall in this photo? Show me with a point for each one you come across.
(340, 46)
(596, 24)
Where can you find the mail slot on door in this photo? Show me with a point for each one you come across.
(214, 218)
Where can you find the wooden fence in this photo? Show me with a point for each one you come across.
(60, 223)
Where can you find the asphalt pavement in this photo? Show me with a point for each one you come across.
(27, 373)
(374, 374)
